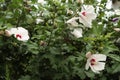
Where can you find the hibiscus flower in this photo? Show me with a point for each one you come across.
(87, 14)
(94, 62)
(20, 33)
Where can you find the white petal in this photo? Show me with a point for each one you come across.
(99, 66)
(94, 70)
(99, 57)
(22, 30)
(91, 16)
(86, 21)
(13, 30)
(77, 32)
(88, 8)
(23, 38)
(87, 64)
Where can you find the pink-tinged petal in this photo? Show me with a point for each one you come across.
(77, 32)
(99, 66)
(23, 38)
(99, 57)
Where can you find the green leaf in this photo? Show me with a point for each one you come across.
(90, 74)
(114, 57)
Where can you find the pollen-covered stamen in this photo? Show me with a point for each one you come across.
(84, 13)
(18, 36)
(93, 62)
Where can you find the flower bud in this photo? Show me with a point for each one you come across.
(88, 54)
(7, 33)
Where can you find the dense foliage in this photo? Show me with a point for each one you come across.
(52, 52)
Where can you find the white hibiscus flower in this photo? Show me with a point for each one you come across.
(87, 14)
(94, 62)
(20, 33)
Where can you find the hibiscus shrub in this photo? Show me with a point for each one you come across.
(59, 40)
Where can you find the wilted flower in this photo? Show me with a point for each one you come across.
(20, 33)
(94, 62)
(87, 14)
(77, 32)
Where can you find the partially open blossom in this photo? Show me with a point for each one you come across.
(77, 32)
(94, 62)
(87, 14)
(20, 33)
(72, 21)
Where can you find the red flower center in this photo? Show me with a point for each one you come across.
(84, 13)
(18, 36)
(92, 61)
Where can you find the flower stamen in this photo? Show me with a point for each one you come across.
(93, 62)
(18, 36)
(84, 13)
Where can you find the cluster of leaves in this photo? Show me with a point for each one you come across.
(53, 53)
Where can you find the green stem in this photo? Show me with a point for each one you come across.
(7, 77)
